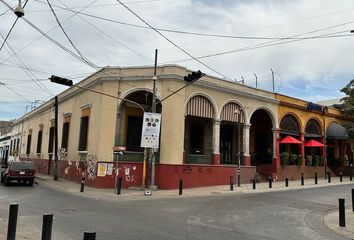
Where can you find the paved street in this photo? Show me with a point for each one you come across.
(292, 214)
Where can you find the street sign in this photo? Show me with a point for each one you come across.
(61, 151)
(118, 148)
(151, 130)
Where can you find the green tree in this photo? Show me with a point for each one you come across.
(347, 106)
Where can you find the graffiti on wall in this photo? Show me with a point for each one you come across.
(128, 172)
(83, 167)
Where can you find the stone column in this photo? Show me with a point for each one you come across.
(302, 148)
(246, 144)
(216, 142)
(276, 148)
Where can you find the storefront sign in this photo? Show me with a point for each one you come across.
(151, 130)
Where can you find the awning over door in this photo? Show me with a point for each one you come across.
(200, 106)
(290, 140)
(336, 131)
(313, 143)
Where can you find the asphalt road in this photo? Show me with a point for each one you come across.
(274, 215)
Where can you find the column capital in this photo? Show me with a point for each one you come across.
(276, 129)
(245, 125)
(216, 121)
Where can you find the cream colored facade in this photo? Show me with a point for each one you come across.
(122, 82)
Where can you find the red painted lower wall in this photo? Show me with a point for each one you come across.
(167, 176)
(194, 175)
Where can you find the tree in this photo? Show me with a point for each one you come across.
(347, 106)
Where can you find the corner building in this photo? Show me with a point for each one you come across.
(208, 129)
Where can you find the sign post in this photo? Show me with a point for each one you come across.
(116, 151)
(150, 137)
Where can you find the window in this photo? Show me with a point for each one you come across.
(51, 140)
(65, 136)
(29, 138)
(197, 138)
(18, 145)
(14, 146)
(39, 141)
(11, 143)
(83, 133)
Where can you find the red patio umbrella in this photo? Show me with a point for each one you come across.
(313, 143)
(290, 140)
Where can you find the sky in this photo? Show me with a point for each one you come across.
(307, 44)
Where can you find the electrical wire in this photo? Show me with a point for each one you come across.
(17, 94)
(178, 31)
(108, 36)
(23, 66)
(276, 42)
(12, 27)
(67, 36)
(170, 41)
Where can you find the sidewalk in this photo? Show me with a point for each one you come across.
(331, 219)
(138, 194)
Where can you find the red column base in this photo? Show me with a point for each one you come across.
(247, 160)
(215, 159)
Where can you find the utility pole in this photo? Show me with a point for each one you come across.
(56, 138)
(154, 78)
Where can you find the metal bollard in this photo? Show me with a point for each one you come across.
(89, 235)
(82, 186)
(351, 176)
(316, 179)
(270, 180)
(11, 228)
(353, 199)
(119, 186)
(254, 183)
(286, 182)
(341, 177)
(341, 212)
(231, 183)
(47, 227)
(329, 177)
(302, 179)
(180, 187)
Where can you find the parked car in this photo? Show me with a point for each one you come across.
(22, 171)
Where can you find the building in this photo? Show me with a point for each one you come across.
(210, 130)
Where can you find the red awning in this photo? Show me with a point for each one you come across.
(290, 140)
(313, 143)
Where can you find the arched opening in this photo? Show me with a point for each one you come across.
(261, 138)
(289, 126)
(129, 123)
(231, 132)
(198, 130)
(313, 143)
(337, 137)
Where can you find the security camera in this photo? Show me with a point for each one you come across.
(19, 11)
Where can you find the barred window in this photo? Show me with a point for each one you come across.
(29, 138)
(39, 141)
(83, 133)
(51, 140)
(65, 135)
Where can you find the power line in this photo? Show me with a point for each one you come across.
(174, 44)
(67, 36)
(276, 42)
(23, 66)
(177, 31)
(108, 36)
(12, 27)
